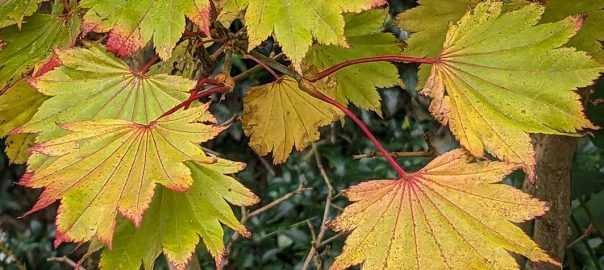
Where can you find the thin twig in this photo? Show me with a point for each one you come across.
(67, 6)
(66, 260)
(429, 153)
(317, 241)
(253, 69)
(590, 229)
(245, 216)
(262, 64)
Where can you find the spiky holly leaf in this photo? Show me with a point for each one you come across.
(452, 214)
(295, 23)
(13, 11)
(429, 23)
(93, 84)
(176, 220)
(591, 36)
(279, 116)
(108, 165)
(36, 39)
(358, 83)
(506, 77)
(17, 105)
(131, 24)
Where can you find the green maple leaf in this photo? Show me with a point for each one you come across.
(13, 11)
(176, 220)
(451, 214)
(17, 105)
(295, 23)
(280, 116)
(105, 166)
(36, 39)
(591, 36)
(505, 77)
(429, 23)
(93, 84)
(131, 24)
(358, 83)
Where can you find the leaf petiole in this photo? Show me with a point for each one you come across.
(394, 58)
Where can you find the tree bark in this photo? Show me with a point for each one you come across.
(554, 156)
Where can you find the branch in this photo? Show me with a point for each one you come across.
(262, 64)
(246, 73)
(245, 216)
(66, 260)
(309, 88)
(317, 241)
(401, 154)
(276, 65)
(344, 64)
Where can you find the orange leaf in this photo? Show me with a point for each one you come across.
(452, 214)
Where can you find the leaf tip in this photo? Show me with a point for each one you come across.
(578, 21)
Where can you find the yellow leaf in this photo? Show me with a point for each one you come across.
(452, 214)
(506, 77)
(109, 165)
(278, 116)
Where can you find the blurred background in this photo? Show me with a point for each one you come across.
(282, 235)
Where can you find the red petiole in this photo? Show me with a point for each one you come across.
(195, 96)
(404, 59)
(148, 65)
(402, 173)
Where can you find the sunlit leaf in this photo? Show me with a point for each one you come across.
(131, 24)
(176, 220)
(429, 23)
(505, 77)
(93, 84)
(13, 11)
(106, 166)
(452, 214)
(358, 83)
(295, 23)
(279, 116)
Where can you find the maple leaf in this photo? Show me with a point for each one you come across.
(429, 23)
(176, 220)
(13, 11)
(591, 36)
(131, 24)
(279, 116)
(358, 83)
(452, 214)
(17, 105)
(33, 42)
(110, 165)
(93, 84)
(295, 23)
(506, 77)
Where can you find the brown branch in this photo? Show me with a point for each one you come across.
(67, 261)
(245, 216)
(317, 240)
(371, 154)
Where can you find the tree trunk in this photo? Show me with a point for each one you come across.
(554, 156)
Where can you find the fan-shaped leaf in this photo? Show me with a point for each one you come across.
(278, 116)
(106, 166)
(358, 83)
(38, 36)
(92, 84)
(506, 77)
(295, 23)
(131, 24)
(176, 220)
(429, 23)
(452, 214)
